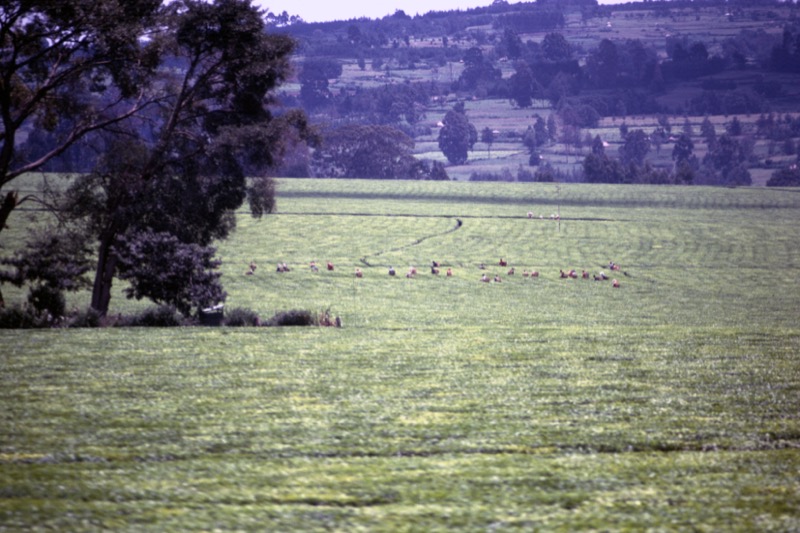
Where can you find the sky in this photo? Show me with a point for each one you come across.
(328, 10)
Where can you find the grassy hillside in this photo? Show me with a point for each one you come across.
(443, 403)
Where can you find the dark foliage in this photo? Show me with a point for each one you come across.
(240, 316)
(724, 163)
(314, 81)
(54, 260)
(16, 317)
(599, 168)
(63, 86)
(46, 299)
(523, 87)
(457, 136)
(178, 169)
(165, 270)
(377, 152)
(785, 177)
(531, 20)
(162, 316)
(635, 147)
(53, 257)
(683, 149)
(89, 318)
(296, 317)
(478, 72)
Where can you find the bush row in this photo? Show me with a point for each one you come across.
(26, 317)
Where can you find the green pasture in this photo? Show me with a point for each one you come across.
(443, 403)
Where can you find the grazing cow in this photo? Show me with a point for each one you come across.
(485, 278)
(497, 279)
(282, 267)
(392, 271)
(534, 273)
(573, 274)
(530, 214)
(449, 272)
(525, 274)
(503, 262)
(564, 275)
(410, 273)
(434, 270)
(359, 274)
(413, 271)
(314, 267)
(585, 275)
(435, 264)
(615, 284)
(511, 271)
(330, 265)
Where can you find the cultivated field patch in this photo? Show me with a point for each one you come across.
(443, 402)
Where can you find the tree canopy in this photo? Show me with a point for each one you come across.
(457, 136)
(192, 126)
(68, 68)
(365, 152)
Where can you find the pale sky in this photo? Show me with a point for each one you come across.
(328, 10)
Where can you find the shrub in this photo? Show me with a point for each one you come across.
(45, 298)
(162, 316)
(785, 177)
(240, 316)
(296, 317)
(526, 175)
(90, 318)
(16, 317)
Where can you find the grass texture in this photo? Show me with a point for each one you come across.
(444, 403)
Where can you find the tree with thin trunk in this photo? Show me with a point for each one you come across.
(172, 177)
(71, 68)
(487, 137)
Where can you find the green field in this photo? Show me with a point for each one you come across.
(443, 403)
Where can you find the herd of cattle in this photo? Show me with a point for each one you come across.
(435, 269)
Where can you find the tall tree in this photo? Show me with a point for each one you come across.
(708, 131)
(457, 136)
(314, 78)
(522, 85)
(683, 149)
(603, 64)
(487, 137)
(635, 148)
(69, 68)
(356, 151)
(179, 171)
(556, 48)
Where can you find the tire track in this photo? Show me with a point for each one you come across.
(365, 260)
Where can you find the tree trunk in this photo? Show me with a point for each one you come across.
(8, 205)
(104, 275)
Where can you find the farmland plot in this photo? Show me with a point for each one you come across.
(443, 402)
